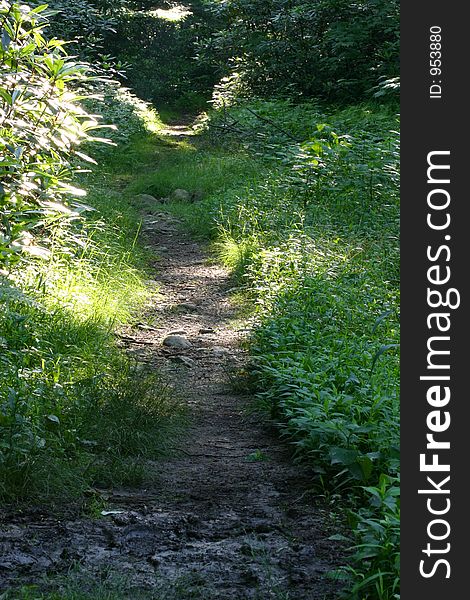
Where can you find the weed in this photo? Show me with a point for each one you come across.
(257, 456)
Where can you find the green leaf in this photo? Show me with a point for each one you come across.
(380, 318)
(384, 348)
(343, 456)
(6, 96)
(366, 466)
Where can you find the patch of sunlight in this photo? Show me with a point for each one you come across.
(178, 131)
(144, 111)
(175, 13)
(184, 144)
(105, 293)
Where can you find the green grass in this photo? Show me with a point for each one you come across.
(78, 585)
(75, 411)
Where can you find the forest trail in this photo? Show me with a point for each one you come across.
(229, 517)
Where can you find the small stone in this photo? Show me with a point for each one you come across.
(208, 330)
(177, 341)
(105, 513)
(121, 519)
(189, 362)
(23, 560)
(220, 351)
(149, 199)
(187, 306)
(197, 196)
(180, 195)
(146, 327)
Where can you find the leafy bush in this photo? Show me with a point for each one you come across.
(84, 23)
(130, 115)
(41, 125)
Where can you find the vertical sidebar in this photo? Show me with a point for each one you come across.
(435, 362)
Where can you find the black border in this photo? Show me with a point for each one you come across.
(433, 124)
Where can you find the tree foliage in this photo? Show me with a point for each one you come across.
(160, 53)
(83, 23)
(331, 48)
(41, 126)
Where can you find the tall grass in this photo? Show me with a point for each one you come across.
(76, 585)
(75, 411)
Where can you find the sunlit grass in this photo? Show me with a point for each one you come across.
(74, 409)
(97, 286)
(196, 170)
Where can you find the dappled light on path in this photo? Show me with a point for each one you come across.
(177, 131)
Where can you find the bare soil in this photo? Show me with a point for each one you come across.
(230, 516)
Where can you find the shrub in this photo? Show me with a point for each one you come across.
(330, 48)
(41, 126)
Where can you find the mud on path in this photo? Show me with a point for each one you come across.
(229, 517)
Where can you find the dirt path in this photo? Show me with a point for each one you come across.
(229, 518)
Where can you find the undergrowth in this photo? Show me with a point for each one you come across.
(310, 232)
(75, 411)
